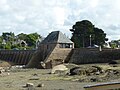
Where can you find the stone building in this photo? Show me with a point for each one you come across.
(53, 50)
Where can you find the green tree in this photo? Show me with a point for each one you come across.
(11, 41)
(22, 36)
(8, 40)
(8, 36)
(8, 45)
(81, 32)
(31, 39)
(85, 34)
(114, 44)
(99, 36)
(1, 40)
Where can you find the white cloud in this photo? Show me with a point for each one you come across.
(59, 15)
(94, 3)
(20, 18)
(43, 16)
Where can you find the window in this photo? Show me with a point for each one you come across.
(65, 45)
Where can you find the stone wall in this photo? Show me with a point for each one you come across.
(40, 55)
(87, 56)
(21, 57)
(57, 56)
(82, 56)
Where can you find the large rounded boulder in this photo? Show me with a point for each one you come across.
(59, 69)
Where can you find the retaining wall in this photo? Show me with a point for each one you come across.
(58, 56)
(86, 56)
(21, 57)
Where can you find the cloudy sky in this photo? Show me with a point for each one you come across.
(44, 16)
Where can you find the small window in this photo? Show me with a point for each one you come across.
(62, 45)
(65, 45)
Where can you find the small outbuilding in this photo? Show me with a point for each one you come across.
(53, 50)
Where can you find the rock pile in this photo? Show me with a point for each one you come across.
(90, 73)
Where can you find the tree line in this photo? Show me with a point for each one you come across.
(8, 40)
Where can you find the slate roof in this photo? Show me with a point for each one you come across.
(56, 37)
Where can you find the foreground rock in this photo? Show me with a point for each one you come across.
(29, 85)
(77, 71)
(59, 69)
(72, 69)
(40, 85)
(82, 70)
